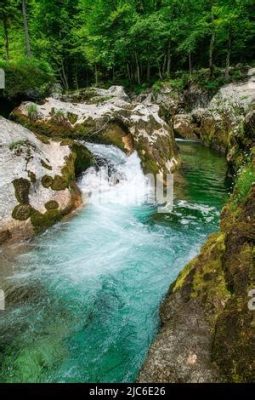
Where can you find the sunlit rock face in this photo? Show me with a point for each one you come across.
(37, 182)
(110, 117)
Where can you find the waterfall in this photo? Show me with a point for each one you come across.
(116, 179)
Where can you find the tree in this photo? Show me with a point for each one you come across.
(52, 28)
(8, 14)
(120, 41)
(234, 27)
(26, 30)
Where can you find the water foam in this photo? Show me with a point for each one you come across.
(120, 180)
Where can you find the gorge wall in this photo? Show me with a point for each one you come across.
(208, 330)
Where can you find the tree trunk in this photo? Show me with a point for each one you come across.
(148, 72)
(129, 73)
(228, 56)
(169, 60)
(190, 63)
(63, 76)
(6, 38)
(164, 65)
(75, 79)
(96, 76)
(27, 38)
(212, 41)
(211, 50)
(159, 71)
(137, 69)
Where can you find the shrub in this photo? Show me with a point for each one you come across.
(27, 77)
(244, 182)
(32, 112)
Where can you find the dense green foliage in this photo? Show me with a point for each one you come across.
(136, 41)
(30, 77)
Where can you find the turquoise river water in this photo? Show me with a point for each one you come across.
(82, 300)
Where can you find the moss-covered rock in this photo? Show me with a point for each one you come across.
(43, 221)
(114, 120)
(36, 180)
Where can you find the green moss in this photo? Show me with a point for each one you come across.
(52, 205)
(204, 278)
(181, 279)
(32, 111)
(66, 142)
(209, 277)
(41, 222)
(114, 137)
(244, 183)
(47, 181)
(50, 128)
(59, 183)
(68, 171)
(59, 116)
(22, 212)
(22, 187)
(234, 342)
(73, 118)
(84, 158)
(46, 165)
(32, 176)
(42, 139)
(149, 166)
(62, 182)
(148, 163)
(17, 146)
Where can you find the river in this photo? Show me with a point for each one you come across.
(82, 300)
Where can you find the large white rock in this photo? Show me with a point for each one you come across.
(23, 155)
(93, 112)
(235, 97)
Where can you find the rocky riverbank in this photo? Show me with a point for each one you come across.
(40, 157)
(108, 117)
(208, 331)
(38, 185)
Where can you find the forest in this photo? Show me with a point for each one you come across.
(127, 193)
(83, 42)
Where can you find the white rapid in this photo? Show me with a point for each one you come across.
(118, 179)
